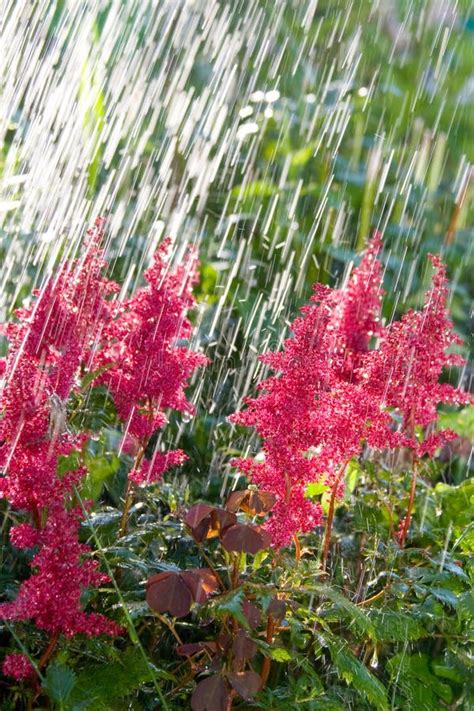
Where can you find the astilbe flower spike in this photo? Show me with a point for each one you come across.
(404, 372)
(47, 345)
(146, 369)
(313, 415)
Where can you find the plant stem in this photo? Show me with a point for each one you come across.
(49, 650)
(297, 547)
(129, 494)
(170, 626)
(126, 508)
(411, 501)
(267, 661)
(330, 517)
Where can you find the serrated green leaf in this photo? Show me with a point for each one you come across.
(280, 654)
(60, 681)
(356, 615)
(232, 605)
(101, 685)
(414, 679)
(357, 675)
(392, 626)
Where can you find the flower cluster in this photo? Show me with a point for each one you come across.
(332, 394)
(48, 344)
(134, 343)
(404, 372)
(18, 666)
(145, 368)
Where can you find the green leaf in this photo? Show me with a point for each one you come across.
(93, 374)
(99, 469)
(460, 421)
(316, 489)
(349, 611)
(391, 626)
(280, 654)
(102, 684)
(414, 679)
(445, 596)
(232, 605)
(357, 675)
(60, 681)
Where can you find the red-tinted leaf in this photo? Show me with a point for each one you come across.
(208, 521)
(196, 514)
(254, 503)
(277, 609)
(222, 519)
(158, 577)
(211, 694)
(243, 647)
(224, 641)
(252, 613)
(235, 499)
(243, 538)
(167, 592)
(246, 684)
(201, 582)
(187, 650)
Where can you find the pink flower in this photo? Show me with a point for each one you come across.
(48, 344)
(151, 470)
(313, 415)
(17, 666)
(51, 597)
(147, 367)
(404, 372)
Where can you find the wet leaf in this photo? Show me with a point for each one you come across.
(252, 613)
(211, 694)
(243, 538)
(201, 582)
(254, 503)
(277, 609)
(167, 592)
(246, 684)
(243, 647)
(208, 521)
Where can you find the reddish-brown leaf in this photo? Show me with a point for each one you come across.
(211, 694)
(196, 514)
(243, 647)
(201, 582)
(224, 641)
(243, 538)
(246, 684)
(208, 521)
(277, 609)
(252, 502)
(157, 578)
(235, 499)
(167, 592)
(188, 650)
(252, 613)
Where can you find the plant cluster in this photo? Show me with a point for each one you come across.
(346, 421)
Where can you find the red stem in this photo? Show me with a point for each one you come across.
(330, 517)
(411, 501)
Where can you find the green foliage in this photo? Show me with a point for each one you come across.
(59, 684)
(355, 673)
